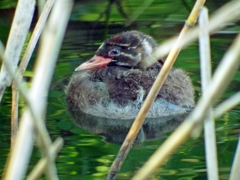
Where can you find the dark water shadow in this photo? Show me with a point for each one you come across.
(115, 130)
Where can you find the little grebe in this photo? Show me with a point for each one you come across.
(114, 82)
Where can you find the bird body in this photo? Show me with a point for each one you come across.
(115, 82)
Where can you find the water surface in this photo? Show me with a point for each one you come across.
(88, 156)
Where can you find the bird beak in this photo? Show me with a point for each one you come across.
(94, 62)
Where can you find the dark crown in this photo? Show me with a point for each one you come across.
(129, 48)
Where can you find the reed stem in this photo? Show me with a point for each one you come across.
(227, 105)
(235, 173)
(218, 84)
(52, 38)
(23, 65)
(209, 123)
(137, 124)
(41, 165)
(17, 36)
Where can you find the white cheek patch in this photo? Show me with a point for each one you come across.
(122, 64)
(147, 47)
(128, 55)
(134, 47)
(134, 59)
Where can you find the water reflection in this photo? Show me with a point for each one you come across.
(115, 130)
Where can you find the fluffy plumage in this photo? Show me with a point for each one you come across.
(114, 83)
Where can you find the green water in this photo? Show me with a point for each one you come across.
(89, 156)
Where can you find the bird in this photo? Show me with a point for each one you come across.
(116, 80)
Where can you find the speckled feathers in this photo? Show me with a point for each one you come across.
(118, 89)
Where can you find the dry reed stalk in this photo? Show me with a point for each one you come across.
(41, 165)
(23, 65)
(221, 18)
(235, 173)
(35, 36)
(17, 36)
(16, 168)
(14, 114)
(209, 123)
(41, 4)
(219, 82)
(137, 124)
(227, 105)
(41, 130)
(24, 91)
(227, 13)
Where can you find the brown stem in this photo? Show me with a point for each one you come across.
(126, 146)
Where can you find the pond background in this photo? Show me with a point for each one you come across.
(89, 156)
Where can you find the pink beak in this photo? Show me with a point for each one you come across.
(94, 62)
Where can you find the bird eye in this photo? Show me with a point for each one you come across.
(114, 52)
